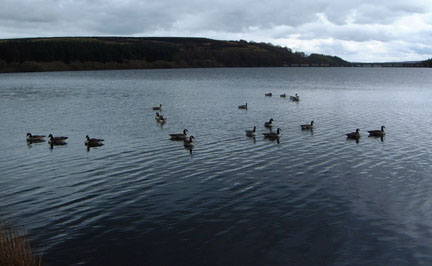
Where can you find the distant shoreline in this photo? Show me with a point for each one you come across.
(31, 67)
(116, 53)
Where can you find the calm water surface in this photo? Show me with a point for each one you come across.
(314, 198)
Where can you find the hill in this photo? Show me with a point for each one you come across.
(89, 53)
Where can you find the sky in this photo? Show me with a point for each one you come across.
(357, 31)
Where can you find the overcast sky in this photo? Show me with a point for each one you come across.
(367, 31)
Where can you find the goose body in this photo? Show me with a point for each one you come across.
(269, 94)
(56, 141)
(188, 143)
(251, 133)
(283, 95)
(272, 135)
(243, 106)
(269, 124)
(181, 136)
(53, 139)
(35, 138)
(161, 119)
(93, 141)
(158, 107)
(377, 133)
(307, 126)
(354, 135)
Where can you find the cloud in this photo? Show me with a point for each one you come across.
(354, 30)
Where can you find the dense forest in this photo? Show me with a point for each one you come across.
(52, 54)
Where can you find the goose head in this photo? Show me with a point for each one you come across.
(382, 128)
(185, 131)
(357, 130)
(278, 131)
(50, 136)
(312, 122)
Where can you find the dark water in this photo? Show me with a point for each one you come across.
(314, 198)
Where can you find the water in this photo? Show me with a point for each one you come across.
(141, 199)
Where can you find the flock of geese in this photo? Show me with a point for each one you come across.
(188, 141)
(61, 140)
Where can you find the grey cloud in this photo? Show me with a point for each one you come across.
(265, 20)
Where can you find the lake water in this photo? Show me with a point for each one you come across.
(314, 198)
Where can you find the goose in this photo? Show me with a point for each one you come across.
(269, 123)
(272, 135)
(283, 95)
(158, 107)
(54, 141)
(377, 133)
(307, 126)
(188, 143)
(354, 135)
(35, 138)
(251, 133)
(161, 119)
(92, 141)
(295, 98)
(269, 94)
(243, 106)
(181, 136)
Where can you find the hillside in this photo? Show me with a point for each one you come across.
(88, 53)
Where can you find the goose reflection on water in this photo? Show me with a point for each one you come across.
(90, 146)
(31, 142)
(377, 137)
(57, 143)
(273, 138)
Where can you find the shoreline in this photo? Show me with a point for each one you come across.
(34, 67)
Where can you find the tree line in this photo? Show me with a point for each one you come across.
(119, 52)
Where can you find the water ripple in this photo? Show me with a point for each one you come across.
(260, 201)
